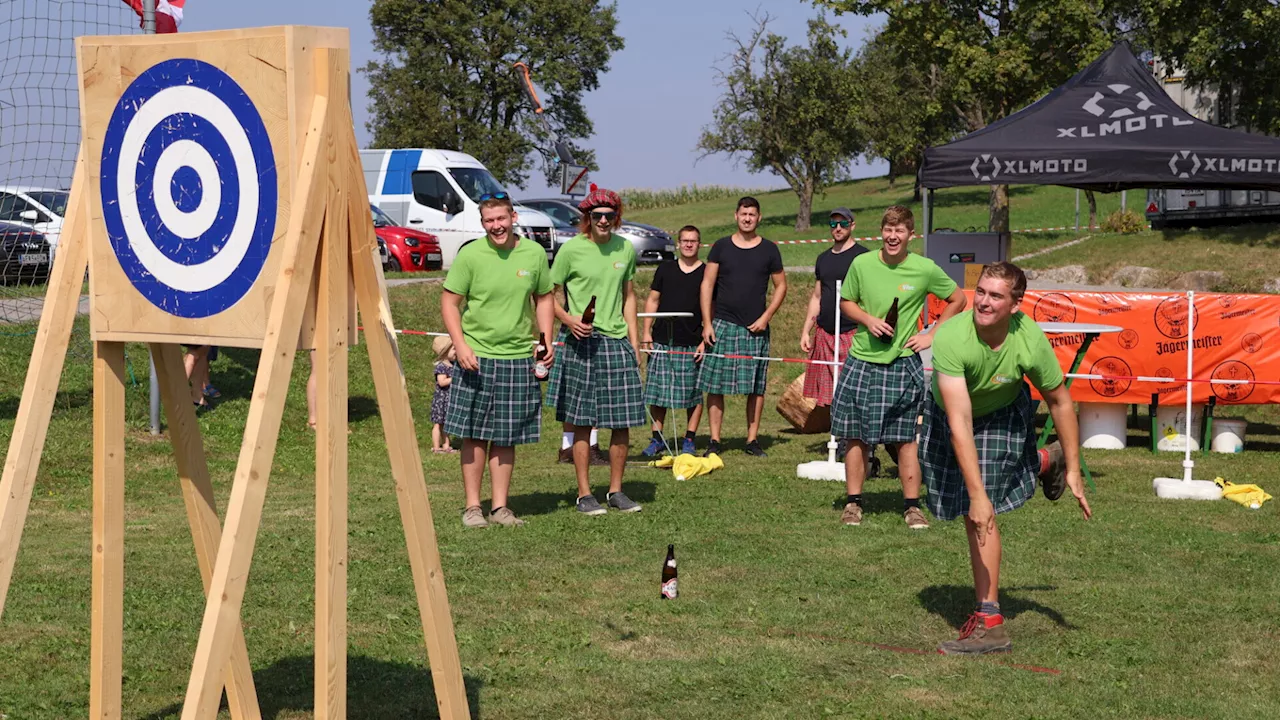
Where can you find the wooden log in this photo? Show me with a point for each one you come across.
(802, 412)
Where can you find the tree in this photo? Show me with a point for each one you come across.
(993, 56)
(1229, 46)
(902, 109)
(777, 111)
(446, 79)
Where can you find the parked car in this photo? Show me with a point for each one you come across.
(40, 209)
(383, 257)
(407, 249)
(24, 255)
(439, 191)
(652, 244)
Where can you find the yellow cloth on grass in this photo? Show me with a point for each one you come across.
(687, 466)
(1250, 496)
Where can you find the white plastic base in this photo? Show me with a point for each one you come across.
(821, 470)
(1179, 489)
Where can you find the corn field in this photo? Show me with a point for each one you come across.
(645, 199)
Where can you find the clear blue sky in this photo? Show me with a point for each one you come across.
(651, 105)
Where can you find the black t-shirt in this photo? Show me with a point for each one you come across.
(829, 268)
(679, 293)
(743, 279)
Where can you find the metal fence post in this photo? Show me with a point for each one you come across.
(149, 17)
(1077, 209)
(149, 27)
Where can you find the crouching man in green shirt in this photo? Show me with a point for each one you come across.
(978, 446)
(496, 401)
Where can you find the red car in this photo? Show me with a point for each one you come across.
(407, 249)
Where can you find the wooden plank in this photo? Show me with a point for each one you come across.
(202, 512)
(106, 644)
(26, 444)
(406, 464)
(331, 365)
(262, 428)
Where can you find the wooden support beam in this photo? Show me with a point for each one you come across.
(26, 444)
(106, 644)
(202, 511)
(262, 428)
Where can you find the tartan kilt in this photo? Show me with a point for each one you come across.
(501, 403)
(877, 403)
(819, 384)
(596, 383)
(725, 376)
(1007, 457)
(672, 380)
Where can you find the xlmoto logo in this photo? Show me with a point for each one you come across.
(988, 166)
(1185, 164)
(1123, 117)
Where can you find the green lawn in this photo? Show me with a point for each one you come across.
(1155, 609)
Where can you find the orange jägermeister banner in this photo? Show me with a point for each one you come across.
(1236, 337)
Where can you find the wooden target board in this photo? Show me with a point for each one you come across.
(219, 199)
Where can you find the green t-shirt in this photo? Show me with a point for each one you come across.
(587, 268)
(994, 377)
(497, 320)
(873, 285)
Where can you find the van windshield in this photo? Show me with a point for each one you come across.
(475, 182)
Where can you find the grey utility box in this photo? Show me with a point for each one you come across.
(954, 250)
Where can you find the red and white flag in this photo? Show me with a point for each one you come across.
(168, 14)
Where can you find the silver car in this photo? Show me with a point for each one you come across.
(652, 244)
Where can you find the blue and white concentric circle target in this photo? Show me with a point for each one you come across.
(188, 183)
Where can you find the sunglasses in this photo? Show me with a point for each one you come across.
(493, 196)
(598, 215)
(840, 223)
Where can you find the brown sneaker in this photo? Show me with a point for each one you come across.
(473, 517)
(599, 458)
(1053, 481)
(852, 514)
(566, 456)
(915, 519)
(503, 516)
(982, 634)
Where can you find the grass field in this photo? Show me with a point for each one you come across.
(1154, 609)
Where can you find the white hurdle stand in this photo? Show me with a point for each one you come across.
(829, 469)
(1185, 488)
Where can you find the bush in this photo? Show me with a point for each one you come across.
(1125, 222)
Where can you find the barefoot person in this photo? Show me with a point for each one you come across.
(495, 400)
(832, 265)
(978, 446)
(596, 384)
(881, 386)
(673, 370)
(735, 321)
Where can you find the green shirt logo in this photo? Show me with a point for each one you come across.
(1001, 380)
(522, 273)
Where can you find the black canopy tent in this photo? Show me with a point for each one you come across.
(1110, 127)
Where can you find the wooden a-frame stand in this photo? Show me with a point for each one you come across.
(328, 250)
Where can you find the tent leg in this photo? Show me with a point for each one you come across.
(928, 219)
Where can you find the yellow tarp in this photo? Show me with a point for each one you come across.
(687, 466)
(1250, 496)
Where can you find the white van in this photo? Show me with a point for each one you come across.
(438, 192)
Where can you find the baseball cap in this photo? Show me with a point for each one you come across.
(842, 212)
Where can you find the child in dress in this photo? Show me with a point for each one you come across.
(445, 357)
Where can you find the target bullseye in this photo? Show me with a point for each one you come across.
(189, 192)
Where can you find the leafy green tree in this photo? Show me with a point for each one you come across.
(446, 77)
(782, 110)
(1229, 46)
(993, 57)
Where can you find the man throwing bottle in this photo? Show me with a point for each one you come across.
(596, 383)
(881, 385)
(978, 446)
(495, 402)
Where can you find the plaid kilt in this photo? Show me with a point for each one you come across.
(596, 383)
(723, 376)
(819, 379)
(672, 380)
(499, 404)
(878, 403)
(1007, 457)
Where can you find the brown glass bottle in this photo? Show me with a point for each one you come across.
(892, 318)
(669, 581)
(589, 314)
(540, 369)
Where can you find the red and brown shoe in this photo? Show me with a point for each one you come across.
(980, 635)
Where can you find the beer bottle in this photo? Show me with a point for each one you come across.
(892, 318)
(540, 370)
(669, 581)
(589, 314)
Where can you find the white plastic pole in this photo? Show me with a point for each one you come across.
(1187, 462)
(835, 380)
